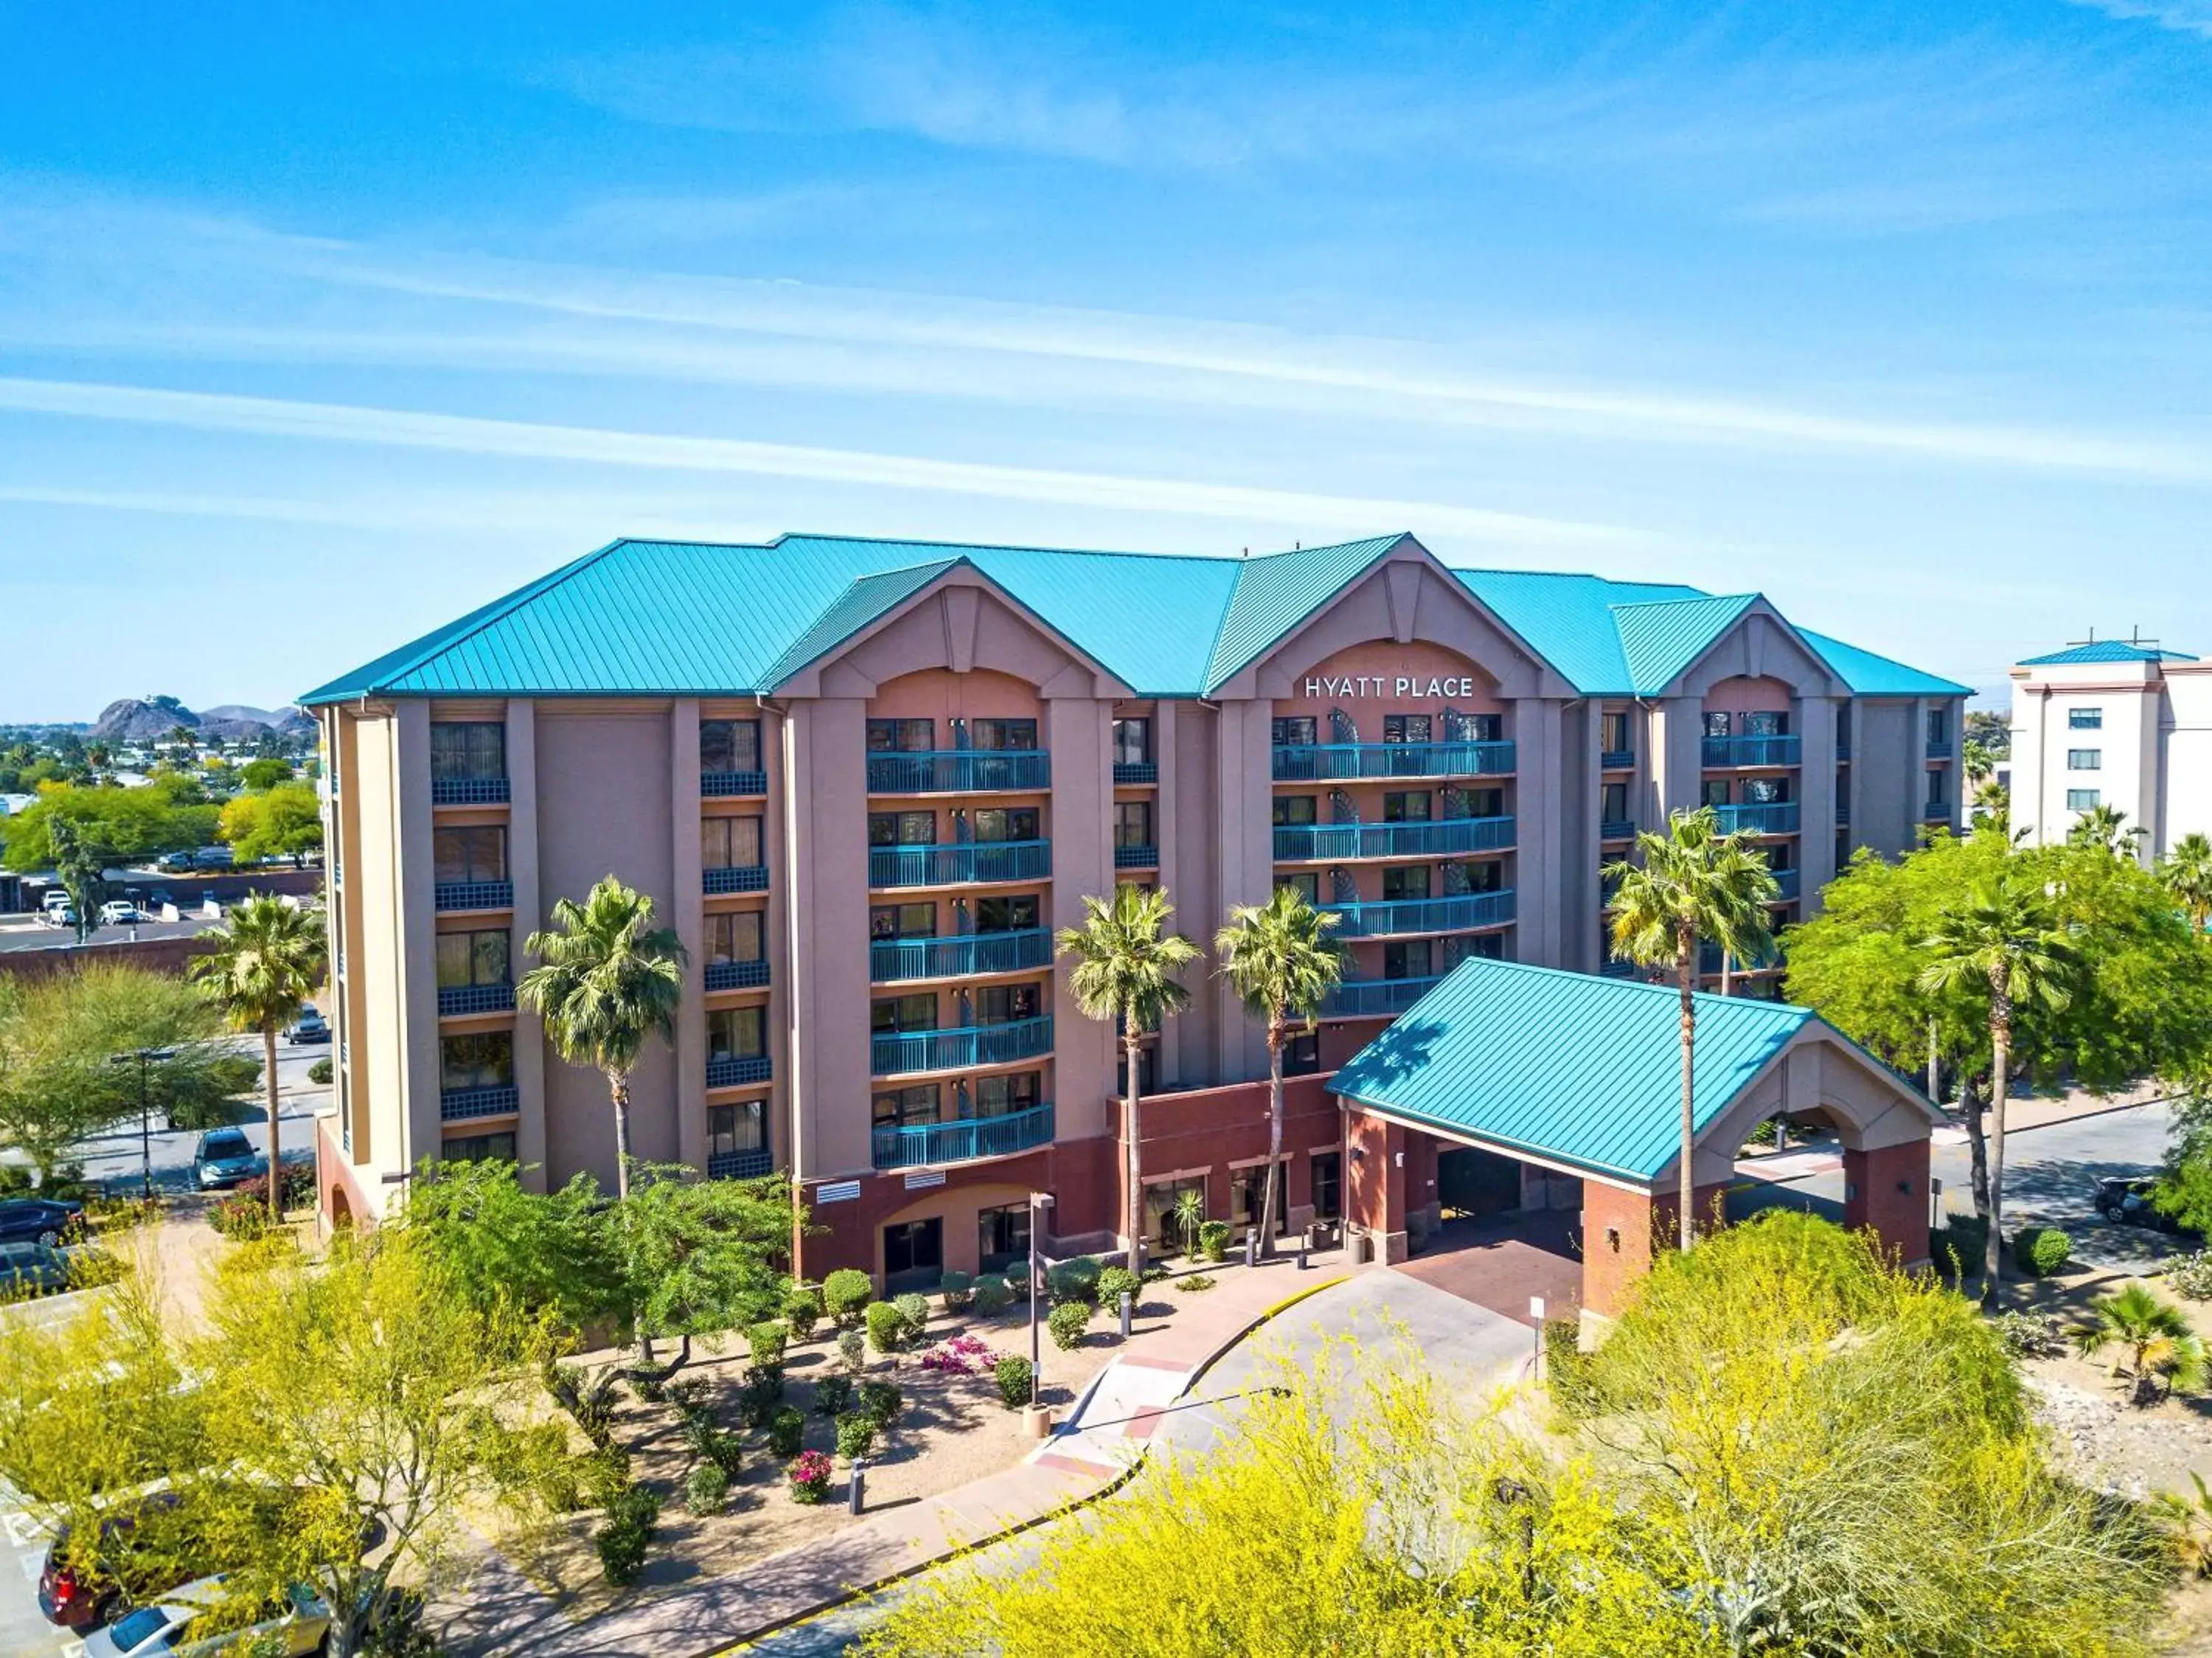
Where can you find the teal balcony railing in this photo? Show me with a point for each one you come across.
(475, 998)
(468, 791)
(1709, 960)
(1136, 771)
(732, 1070)
(473, 895)
(924, 1145)
(735, 975)
(1618, 759)
(1759, 817)
(1375, 998)
(747, 1164)
(1843, 815)
(1297, 762)
(1613, 967)
(463, 1105)
(1786, 884)
(1617, 829)
(1939, 748)
(1723, 753)
(1422, 915)
(960, 863)
(959, 770)
(899, 1053)
(721, 785)
(893, 959)
(1330, 841)
(1137, 857)
(735, 878)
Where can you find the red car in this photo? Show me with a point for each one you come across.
(81, 1604)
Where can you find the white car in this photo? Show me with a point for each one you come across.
(121, 912)
(166, 1628)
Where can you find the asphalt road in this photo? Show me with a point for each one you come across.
(19, 932)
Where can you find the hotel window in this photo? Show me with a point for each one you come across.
(735, 935)
(1296, 811)
(1939, 725)
(1406, 806)
(1765, 791)
(476, 853)
(1407, 957)
(900, 736)
(1133, 742)
(1327, 1184)
(2085, 719)
(1842, 725)
(902, 828)
(473, 749)
(1400, 883)
(737, 1032)
(1002, 1236)
(1005, 915)
(1002, 1004)
(1613, 802)
(903, 921)
(1405, 728)
(1302, 1054)
(1935, 796)
(482, 1059)
(730, 843)
(1001, 1096)
(1307, 886)
(1614, 733)
(1485, 802)
(2081, 799)
(999, 823)
(1132, 823)
(1299, 730)
(908, 1106)
(896, 1014)
(1490, 947)
(729, 745)
(1716, 725)
(1713, 791)
(2084, 759)
(479, 1149)
(472, 958)
(1245, 1193)
(1485, 728)
(740, 1127)
(1004, 734)
(1766, 722)
(1486, 875)
(1147, 1072)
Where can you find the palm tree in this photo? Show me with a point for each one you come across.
(183, 737)
(266, 959)
(2106, 825)
(1744, 927)
(1280, 958)
(2003, 934)
(2187, 872)
(608, 978)
(1993, 806)
(1126, 963)
(1694, 882)
(2155, 1341)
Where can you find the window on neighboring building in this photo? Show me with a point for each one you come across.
(1147, 1070)
(735, 1128)
(1246, 1188)
(1161, 1199)
(1327, 1184)
(470, 749)
(1765, 791)
(998, 823)
(1842, 725)
(1614, 734)
(1713, 791)
(1716, 725)
(1402, 882)
(902, 828)
(734, 935)
(1132, 823)
(2085, 719)
(479, 958)
(1295, 730)
(1485, 802)
(737, 1032)
(1842, 847)
(1005, 915)
(1302, 1054)
(1407, 957)
(1132, 741)
(479, 1147)
(1939, 725)
(2084, 759)
(1012, 1091)
(903, 921)
(894, 1015)
(1485, 874)
(2081, 799)
(907, 1106)
(1406, 806)
(901, 736)
(477, 853)
(1002, 1004)
(1406, 727)
(1004, 734)
(1613, 802)
(1490, 947)
(481, 1059)
(1766, 722)
(729, 745)
(730, 843)
(1486, 727)
(1307, 886)
(1002, 1237)
(1295, 811)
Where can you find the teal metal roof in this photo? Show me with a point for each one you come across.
(1579, 1069)
(678, 617)
(2108, 651)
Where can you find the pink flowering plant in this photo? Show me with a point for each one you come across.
(961, 1355)
(809, 1473)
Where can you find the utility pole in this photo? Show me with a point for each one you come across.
(141, 1058)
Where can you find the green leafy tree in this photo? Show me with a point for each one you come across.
(170, 814)
(261, 966)
(81, 864)
(703, 1256)
(2187, 873)
(1692, 883)
(549, 1254)
(1281, 960)
(285, 821)
(1126, 965)
(265, 772)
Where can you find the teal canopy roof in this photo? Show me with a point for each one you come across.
(677, 618)
(1580, 1070)
(2108, 651)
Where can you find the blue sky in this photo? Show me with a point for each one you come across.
(317, 330)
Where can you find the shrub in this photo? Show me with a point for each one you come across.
(15, 1180)
(603, 1475)
(688, 1396)
(1193, 1283)
(724, 1450)
(1073, 1280)
(991, 1295)
(846, 1295)
(915, 1309)
(758, 1399)
(295, 1188)
(320, 1072)
(1067, 1323)
(888, 1328)
(852, 1350)
(240, 1219)
(1213, 1240)
(809, 1474)
(2191, 1276)
(2041, 1250)
(649, 1385)
(1566, 1367)
(1012, 1374)
(881, 1403)
(802, 1311)
(1956, 1247)
(1113, 1282)
(2028, 1336)
(855, 1435)
(765, 1342)
(706, 1489)
(624, 1534)
(962, 1356)
(956, 1290)
(786, 1431)
(833, 1396)
(1018, 1284)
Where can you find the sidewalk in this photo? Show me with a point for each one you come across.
(1107, 1434)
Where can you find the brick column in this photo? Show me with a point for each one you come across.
(1375, 1181)
(1617, 1244)
(1887, 1189)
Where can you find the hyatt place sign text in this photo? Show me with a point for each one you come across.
(1383, 684)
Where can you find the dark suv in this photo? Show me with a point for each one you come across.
(2125, 1202)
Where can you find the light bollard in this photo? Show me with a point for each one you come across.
(1126, 1309)
(856, 1493)
(1252, 1247)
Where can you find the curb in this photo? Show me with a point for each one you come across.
(1074, 1504)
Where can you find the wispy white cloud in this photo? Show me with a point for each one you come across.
(2183, 16)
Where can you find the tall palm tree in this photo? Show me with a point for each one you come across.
(2106, 825)
(2187, 872)
(1280, 958)
(1694, 882)
(266, 960)
(1126, 963)
(608, 979)
(2003, 936)
(1743, 926)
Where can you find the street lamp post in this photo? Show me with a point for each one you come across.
(1039, 1202)
(141, 1058)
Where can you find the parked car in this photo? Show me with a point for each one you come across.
(81, 1599)
(299, 1623)
(212, 857)
(121, 912)
(309, 1027)
(28, 1270)
(224, 1156)
(176, 863)
(56, 898)
(58, 915)
(2124, 1202)
(47, 1220)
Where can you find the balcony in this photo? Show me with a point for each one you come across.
(1132, 772)
(736, 1070)
(1723, 753)
(1332, 842)
(890, 960)
(747, 1165)
(1759, 817)
(1136, 857)
(1843, 815)
(959, 864)
(455, 999)
(721, 785)
(1939, 748)
(1376, 998)
(927, 1145)
(1617, 759)
(905, 1051)
(1709, 960)
(1303, 762)
(468, 791)
(1396, 917)
(1614, 968)
(474, 895)
(1843, 748)
(1617, 829)
(734, 878)
(1786, 885)
(466, 1105)
(959, 772)
(735, 975)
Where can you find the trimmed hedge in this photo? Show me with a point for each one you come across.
(2041, 1250)
(846, 1293)
(888, 1329)
(992, 1294)
(956, 1290)
(1113, 1282)
(1073, 1280)
(802, 1311)
(1067, 1323)
(1012, 1374)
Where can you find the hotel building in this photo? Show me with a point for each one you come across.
(866, 780)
